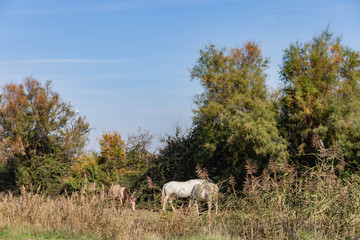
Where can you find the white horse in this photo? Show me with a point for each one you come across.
(174, 189)
(205, 191)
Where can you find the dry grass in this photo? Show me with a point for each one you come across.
(279, 204)
(289, 205)
(78, 213)
(93, 214)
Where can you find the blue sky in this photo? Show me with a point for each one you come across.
(125, 64)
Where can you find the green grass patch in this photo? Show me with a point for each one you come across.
(27, 233)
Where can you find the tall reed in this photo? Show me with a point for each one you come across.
(280, 203)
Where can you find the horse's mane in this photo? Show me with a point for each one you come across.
(210, 180)
(127, 193)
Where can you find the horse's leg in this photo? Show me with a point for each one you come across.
(116, 202)
(216, 199)
(122, 196)
(164, 203)
(113, 202)
(197, 207)
(209, 207)
(171, 203)
(121, 203)
(216, 206)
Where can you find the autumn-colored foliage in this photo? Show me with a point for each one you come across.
(240, 127)
(112, 154)
(235, 119)
(112, 146)
(321, 95)
(43, 133)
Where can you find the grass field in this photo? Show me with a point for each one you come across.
(22, 233)
(90, 216)
(278, 204)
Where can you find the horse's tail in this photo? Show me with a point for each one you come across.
(163, 194)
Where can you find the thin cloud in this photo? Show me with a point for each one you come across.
(102, 7)
(31, 61)
(74, 9)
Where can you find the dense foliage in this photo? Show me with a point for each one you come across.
(280, 203)
(42, 133)
(239, 126)
(235, 115)
(321, 95)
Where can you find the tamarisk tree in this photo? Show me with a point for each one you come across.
(43, 133)
(235, 118)
(321, 95)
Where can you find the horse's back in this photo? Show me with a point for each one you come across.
(197, 191)
(180, 189)
(205, 190)
(116, 190)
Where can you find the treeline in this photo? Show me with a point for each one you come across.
(42, 142)
(239, 125)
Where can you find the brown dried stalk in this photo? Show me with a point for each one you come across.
(202, 173)
(151, 184)
(250, 168)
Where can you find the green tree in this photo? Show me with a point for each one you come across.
(44, 134)
(235, 120)
(321, 95)
(7, 178)
(138, 154)
(85, 170)
(176, 159)
(139, 157)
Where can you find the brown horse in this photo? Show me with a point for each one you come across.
(123, 194)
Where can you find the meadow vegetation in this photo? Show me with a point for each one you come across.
(280, 203)
(286, 161)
